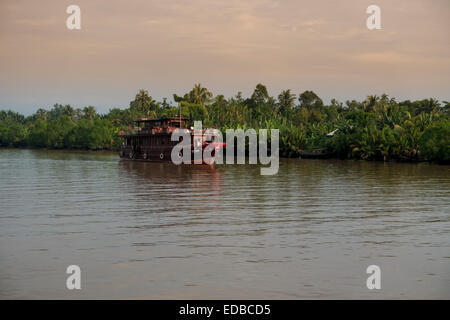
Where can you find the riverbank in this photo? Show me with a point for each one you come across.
(107, 152)
(377, 128)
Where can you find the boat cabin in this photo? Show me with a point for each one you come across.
(150, 138)
(164, 123)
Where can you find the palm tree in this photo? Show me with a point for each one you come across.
(42, 114)
(69, 111)
(200, 95)
(286, 101)
(142, 100)
(89, 112)
(429, 106)
(371, 103)
(383, 103)
(143, 103)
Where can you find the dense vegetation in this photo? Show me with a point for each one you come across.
(377, 128)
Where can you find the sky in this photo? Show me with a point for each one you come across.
(166, 46)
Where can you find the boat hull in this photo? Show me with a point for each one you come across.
(127, 154)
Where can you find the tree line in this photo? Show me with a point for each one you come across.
(378, 128)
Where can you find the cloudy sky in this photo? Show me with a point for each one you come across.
(166, 46)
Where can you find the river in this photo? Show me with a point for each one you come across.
(160, 231)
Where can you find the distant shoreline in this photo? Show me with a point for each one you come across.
(378, 128)
(441, 163)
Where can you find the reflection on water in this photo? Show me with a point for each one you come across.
(155, 230)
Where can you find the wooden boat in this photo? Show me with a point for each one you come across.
(150, 140)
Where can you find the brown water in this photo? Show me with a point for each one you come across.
(143, 230)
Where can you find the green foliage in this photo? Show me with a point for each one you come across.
(91, 134)
(378, 128)
(309, 100)
(198, 95)
(13, 131)
(286, 103)
(193, 111)
(38, 136)
(435, 142)
(143, 105)
(260, 96)
(12, 134)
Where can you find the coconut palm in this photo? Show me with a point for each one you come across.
(69, 111)
(429, 106)
(371, 103)
(142, 100)
(286, 102)
(200, 95)
(144, 104)
(89, 113)
(42, 114)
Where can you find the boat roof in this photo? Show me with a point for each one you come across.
(161, 119)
